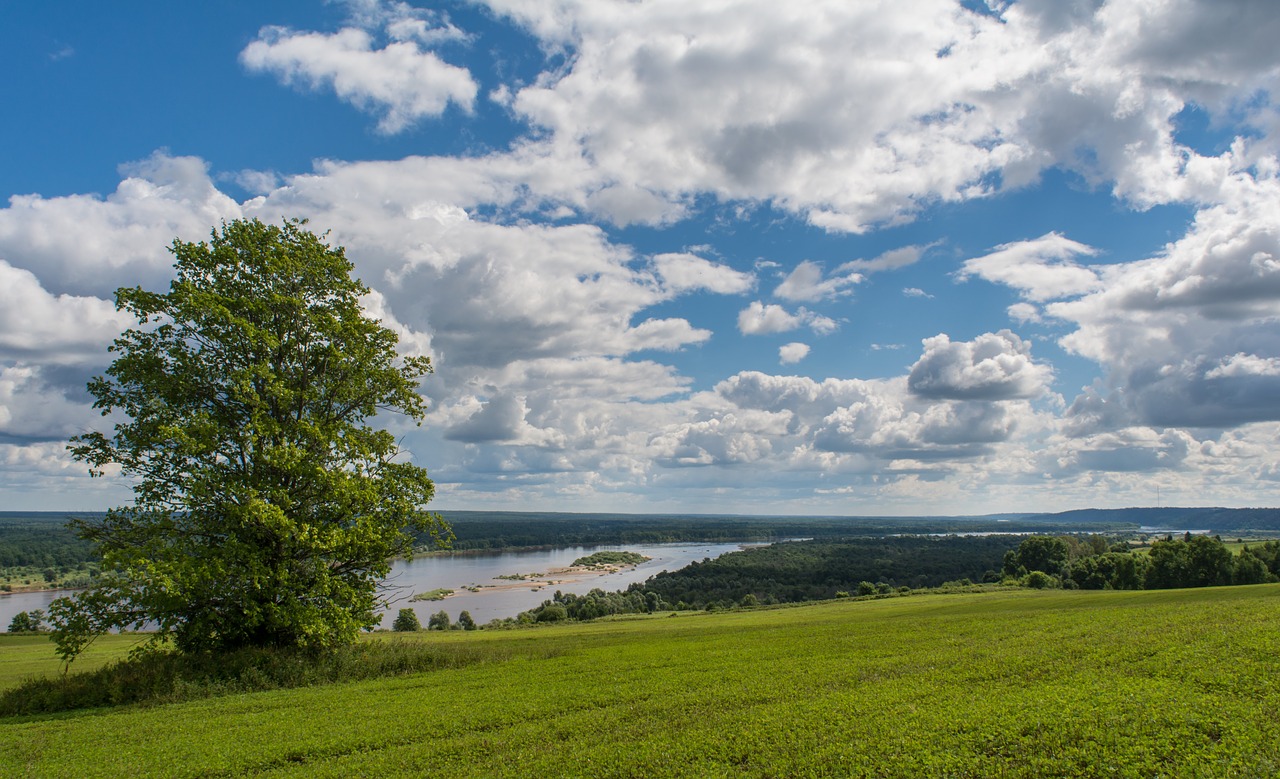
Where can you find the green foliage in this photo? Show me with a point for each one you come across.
(798, 571)
(607, 558)
(38, 547)
(465, 621)
(1111, 571)
(1039, 580)
(1037, 553)
(406, 621)
(438, 621)
(1193, 561)
(440, 593)
(265, 510)
(27, 622)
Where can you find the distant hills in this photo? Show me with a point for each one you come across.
(1213, 519)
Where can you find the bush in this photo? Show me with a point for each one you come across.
(553, 612)
(438, 621)
(1039, 580)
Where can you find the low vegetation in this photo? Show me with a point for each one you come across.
(440, 593)
(1009, 682)
(609, 559)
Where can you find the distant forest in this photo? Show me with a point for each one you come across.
(481, 530)
(39, 545)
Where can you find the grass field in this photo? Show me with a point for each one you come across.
(1013, 683)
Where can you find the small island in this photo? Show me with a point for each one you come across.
(608, 560)
(437, 594)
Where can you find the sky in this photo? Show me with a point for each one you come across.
(732, 256)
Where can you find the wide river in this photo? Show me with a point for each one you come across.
(494, 598)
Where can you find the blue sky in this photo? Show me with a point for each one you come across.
(905, 257)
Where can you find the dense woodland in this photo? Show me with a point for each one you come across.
(38, 549)
(1188, 561)
(482, 531)
(797, 571)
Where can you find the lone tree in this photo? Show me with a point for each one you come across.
(406, 621)
(265, 512)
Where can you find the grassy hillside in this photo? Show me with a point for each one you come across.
(1011, 683)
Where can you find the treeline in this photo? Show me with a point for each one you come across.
(1091, 564)
(492, 531)
(796, 571)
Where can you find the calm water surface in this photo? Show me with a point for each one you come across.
(456, 572)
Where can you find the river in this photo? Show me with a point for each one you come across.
(495, 598)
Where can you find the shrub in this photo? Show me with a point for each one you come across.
(1039, 580)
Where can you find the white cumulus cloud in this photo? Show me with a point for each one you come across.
(399, 80)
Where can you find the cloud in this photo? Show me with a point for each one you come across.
(916, 292)
(1241, 364)
(805, 283)
(53, 328)
(794, 352)
(1135, 450)
(687, 272)
(497, 420)
(86, 245)
(1041, 269)
(761, 319)
(994, 366)
(1185, 336)
(855, 116)
(890, 260)
(34, 409)
(1024, 313)
(867, 426)
(400, 81)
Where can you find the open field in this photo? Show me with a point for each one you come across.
(1007, 683)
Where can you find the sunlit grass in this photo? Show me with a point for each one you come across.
(1018, 683)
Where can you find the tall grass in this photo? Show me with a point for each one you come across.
(163, 676)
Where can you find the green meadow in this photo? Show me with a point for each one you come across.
(996, 683)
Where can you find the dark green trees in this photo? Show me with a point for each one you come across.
(266, 510)
(406, 621)
(1037, 553)
(27, 621)
(1194, 561)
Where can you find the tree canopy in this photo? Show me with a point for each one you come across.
(266, 510)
